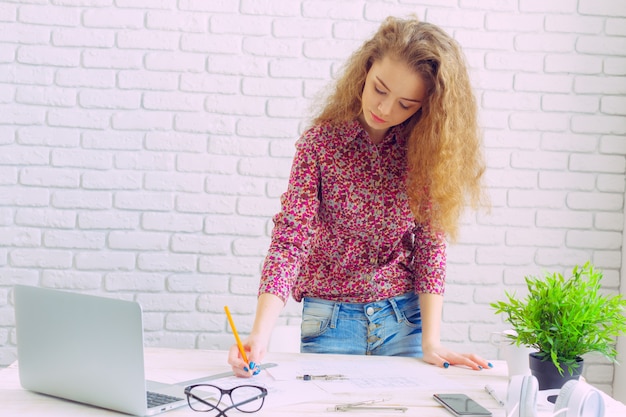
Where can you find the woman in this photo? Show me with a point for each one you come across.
(377, 182)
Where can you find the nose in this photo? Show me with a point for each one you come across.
(385, 107)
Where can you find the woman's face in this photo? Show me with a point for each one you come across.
(393, 92)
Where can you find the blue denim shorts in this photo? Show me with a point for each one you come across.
(391, 327)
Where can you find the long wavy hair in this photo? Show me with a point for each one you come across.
(444, 155)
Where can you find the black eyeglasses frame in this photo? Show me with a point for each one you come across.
(222, 412)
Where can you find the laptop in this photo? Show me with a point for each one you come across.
(87, 349)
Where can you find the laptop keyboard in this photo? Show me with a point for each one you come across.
(155, 399)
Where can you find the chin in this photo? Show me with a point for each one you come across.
(374, 124)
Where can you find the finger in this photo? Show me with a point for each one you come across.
(484, 364)
(437, 360)
(234, 357)
(242, 370)
(240, 367)
(256, 369)
(239, 372)
(472, 361)
(255, 355)
(442, 362)
(455, 359)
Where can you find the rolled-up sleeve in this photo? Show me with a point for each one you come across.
(429, 262)
(293, 225)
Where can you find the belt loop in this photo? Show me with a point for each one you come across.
(335, 316)
(396, 309)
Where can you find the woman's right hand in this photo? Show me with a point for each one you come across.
(255, 345)
(255, 349)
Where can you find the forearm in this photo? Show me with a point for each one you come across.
(268, 309)
(431, 307)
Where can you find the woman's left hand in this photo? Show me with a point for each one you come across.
(440, 356)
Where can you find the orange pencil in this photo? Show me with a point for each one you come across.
(239, 344)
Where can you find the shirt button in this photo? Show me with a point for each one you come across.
(369, 311)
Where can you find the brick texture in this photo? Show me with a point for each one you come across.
(144, 146)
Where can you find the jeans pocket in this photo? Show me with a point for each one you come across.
(413, 317)
(316, 317)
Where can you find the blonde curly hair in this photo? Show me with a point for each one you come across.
(445, 162)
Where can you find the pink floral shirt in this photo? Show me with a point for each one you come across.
(345, 231)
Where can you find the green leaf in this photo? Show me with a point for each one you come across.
(566, 318)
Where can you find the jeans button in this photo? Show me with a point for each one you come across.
(369, 311)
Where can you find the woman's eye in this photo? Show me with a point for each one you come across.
(404, 106)
(379, 91)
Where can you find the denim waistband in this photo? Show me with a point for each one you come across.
(397, 298)
(396, 304)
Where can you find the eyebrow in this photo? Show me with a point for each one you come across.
(401, 98)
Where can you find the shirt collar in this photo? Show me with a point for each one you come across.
(353, 130)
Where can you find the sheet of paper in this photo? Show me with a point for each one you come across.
(279, 392)
(377, 377)
(377, 380)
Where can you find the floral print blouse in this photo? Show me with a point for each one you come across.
(345, 231)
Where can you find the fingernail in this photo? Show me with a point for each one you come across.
(257, 371)
(446, 365)
(490, 365)
(480, 368)
(245, 368)
(252, 365)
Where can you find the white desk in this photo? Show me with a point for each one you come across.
(175, 365)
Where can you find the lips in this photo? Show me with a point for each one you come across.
(376, 118)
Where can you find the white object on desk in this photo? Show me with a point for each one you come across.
(575, 399)
(285, 339)
(516, 357)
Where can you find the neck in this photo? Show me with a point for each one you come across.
(376, 136)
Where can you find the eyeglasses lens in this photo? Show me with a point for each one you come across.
(242, 395)
(209, 396)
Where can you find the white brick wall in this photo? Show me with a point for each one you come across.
(144, 145)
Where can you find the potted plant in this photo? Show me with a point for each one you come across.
(563, 319)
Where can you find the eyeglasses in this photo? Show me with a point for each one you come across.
(244, 398)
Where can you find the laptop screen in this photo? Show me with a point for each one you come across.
(81, 347)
